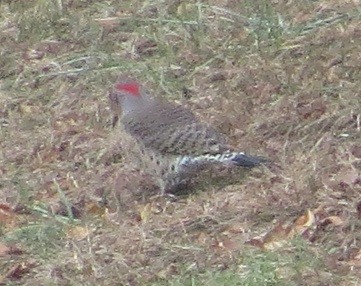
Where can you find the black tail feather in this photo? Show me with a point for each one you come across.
(247, 161)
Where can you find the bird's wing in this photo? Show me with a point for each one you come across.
(171, 129)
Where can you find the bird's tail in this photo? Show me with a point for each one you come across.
(234, 158)
(243, 160)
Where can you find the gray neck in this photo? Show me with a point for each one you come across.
(134, 105)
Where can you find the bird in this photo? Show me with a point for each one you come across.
(168, 140)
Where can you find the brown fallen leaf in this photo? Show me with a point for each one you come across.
(358, 255)
(28, 109)
(277, 237)
(33, 55)
(146, 47)
(304, 222)
(356, 151)
(348, 177)
(145, 212)
(7, 215)
(168, 271)
(358, 207)
(283, 232)
(334, 220)
(6, 249)
(19, 270)
(257, 242)
(202, 238)
(109, 22)
(228, 244)
(78, 232)
(356, 261)
(95, 209)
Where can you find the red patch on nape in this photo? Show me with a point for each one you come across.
(129, 87)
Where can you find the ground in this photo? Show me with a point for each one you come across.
(281, 79)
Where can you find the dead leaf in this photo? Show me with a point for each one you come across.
(146, 47)
(283, 232)
(78, 232)
(334, 220)
(95, 209)
(19, 270)
(255, 242)
(202, 238)
(169, 270)
(145, 212)
(219, 76)
(27, 108)
(7, 215)
(356, 261)
(228, 244)
(358, 207)
(314, 109)
(356, 151)
(33, 55)
(348, 176)
(277, 237)
(9, 250)
(304, 222)
(358, 255)
(4, 249)
(185, 9)
(237, 227)
(109, 22)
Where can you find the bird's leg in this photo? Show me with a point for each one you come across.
(162, 186)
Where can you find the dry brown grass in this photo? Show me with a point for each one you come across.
(281, 80)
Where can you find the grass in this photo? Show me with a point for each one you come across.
(281, 80)
(290, 267)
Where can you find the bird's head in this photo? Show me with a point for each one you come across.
(128, 88)
(128, 96)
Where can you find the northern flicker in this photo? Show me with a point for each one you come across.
(168, 140)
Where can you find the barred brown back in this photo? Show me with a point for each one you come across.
(172, 129)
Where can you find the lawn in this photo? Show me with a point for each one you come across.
(280, 79)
